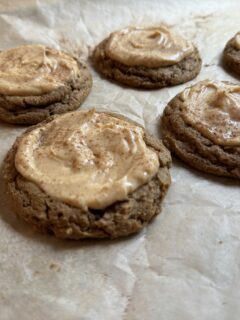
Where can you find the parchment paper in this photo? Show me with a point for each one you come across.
(185, 265)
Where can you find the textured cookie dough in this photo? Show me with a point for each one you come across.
(210, 143)
(231, 54)
(49, 215)
(37, 97)
(152, 67)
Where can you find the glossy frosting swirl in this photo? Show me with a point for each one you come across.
(87, 159)
(213, 108)
(149, 47)
(34, 70)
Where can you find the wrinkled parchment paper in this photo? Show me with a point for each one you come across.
(185, 265)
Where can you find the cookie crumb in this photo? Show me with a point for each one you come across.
(54, 266)
(69, 231)
(36, 272)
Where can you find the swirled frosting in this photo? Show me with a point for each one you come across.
(149, 47)
(213, 108)
(87, 159)
(34, 70)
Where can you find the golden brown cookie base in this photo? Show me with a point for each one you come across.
(231, 57)
(143, 77)
(122, 218)
(193, 148)
(34, 109)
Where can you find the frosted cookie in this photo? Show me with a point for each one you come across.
(201, 126)
(87, 175)
(231, 54)
(37, 81)
(147, 57)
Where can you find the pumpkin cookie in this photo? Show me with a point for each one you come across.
(37, 81)
(201, 126)
(87, 175)
(231, 54)
(147, 57)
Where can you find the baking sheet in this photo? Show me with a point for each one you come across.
(185, 265)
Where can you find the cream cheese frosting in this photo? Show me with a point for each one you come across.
(87, 159)
(213, 108)
(34, 70)
(149, 47)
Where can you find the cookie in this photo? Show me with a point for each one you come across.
(201, 126)
(87, 175)
(147, 58)
(231, 54)
(37, 81)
